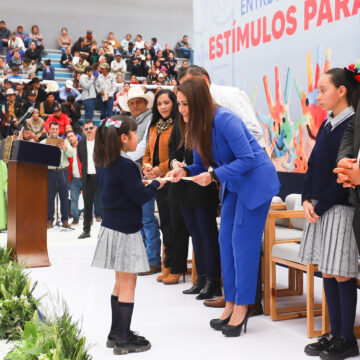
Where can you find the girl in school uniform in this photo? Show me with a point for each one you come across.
(328, 239)
(120, 246)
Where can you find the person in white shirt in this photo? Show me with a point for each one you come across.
(74, 177)
(139, 43)
(229, 97)
(88, 172)
(124, 43)
(118, 65)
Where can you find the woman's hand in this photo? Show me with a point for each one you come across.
(156, 171)
(203, 179)
(149, 174)
(177, 164)
(310, 214)
(176, 174)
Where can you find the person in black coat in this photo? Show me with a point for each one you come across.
(348, 167)
(72, 110)
(89, 171)
(199, 207)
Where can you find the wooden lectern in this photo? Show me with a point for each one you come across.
(27, 199)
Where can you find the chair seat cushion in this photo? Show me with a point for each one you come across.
(284, 233)
(287, 251)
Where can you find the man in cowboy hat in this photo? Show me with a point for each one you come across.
(139, 105)
(39, 91)
(106, 86)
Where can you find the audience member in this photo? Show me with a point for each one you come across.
(58, 178)
(119, 83)
(39, 91)
(87, 82)
(112, 41)
(3, 69)
(89, 38)
(138, 67)
(171, 64)
(155, 45)
(20, 33)
(20, 93)
(4, 36)
(27, 70)
(33, 53)
(13, 107)
(81, 65)
(74, 176)
(36, 125)
(64, 40)
(58, 117)
(124, 44)
(183, 49)
(153, 76)
(15, 59)
(72, 110)
(106, 86)
(37, 37)
(118, 65)
(48, 106)
(66, 58)
(15, 44)
(14, 73)
(30, 101)
(76, 82)
(48, 71)
(81, 46)
(139, 43)
(149, 50)
(94, 54)
(67, 90)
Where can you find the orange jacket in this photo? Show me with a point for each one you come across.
(163, 148)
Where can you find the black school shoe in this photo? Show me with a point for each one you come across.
(340, 348)
(133, 344)
(111, 339)
(315, 349)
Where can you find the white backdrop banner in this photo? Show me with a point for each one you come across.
(276, 50)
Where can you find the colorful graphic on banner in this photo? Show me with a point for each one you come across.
(243, 42)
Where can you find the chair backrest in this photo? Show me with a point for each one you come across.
(280, 222)
(293, 202)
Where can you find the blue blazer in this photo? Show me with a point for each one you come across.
(242, 166)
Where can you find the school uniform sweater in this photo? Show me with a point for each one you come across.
(123, 194)
(320, 180)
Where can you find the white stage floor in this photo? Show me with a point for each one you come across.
(177, 325)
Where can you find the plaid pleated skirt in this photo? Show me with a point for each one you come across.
(120, 252)
(330, 243)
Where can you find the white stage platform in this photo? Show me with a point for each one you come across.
(177, 325)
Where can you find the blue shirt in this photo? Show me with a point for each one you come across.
(63, 94)
(122, 195)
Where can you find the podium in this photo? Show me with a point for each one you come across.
(27, 200)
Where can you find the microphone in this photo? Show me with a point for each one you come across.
(29, 111)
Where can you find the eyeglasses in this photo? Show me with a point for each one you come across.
(89, 128)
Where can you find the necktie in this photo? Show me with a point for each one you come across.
(328, 128)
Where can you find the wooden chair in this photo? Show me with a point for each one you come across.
(280, 231)
(285, 253)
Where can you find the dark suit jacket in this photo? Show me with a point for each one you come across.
(349, 148)
(82, 153)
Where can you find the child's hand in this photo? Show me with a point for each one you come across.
(161, 181)
(310, 214)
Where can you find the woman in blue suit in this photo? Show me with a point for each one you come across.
(226, 152)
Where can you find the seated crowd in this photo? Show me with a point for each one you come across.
(99, 73)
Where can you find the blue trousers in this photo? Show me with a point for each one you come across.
(188, 53)
(201, 223)
(89, 107)
(75, 188)
(240, 238)
(106, 108)
(58, 182)
(150, 233)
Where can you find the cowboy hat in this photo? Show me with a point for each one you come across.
(104, 66)
(136, 92)
(10, 92)
(52, 87)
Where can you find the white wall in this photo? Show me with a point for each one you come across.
(166, 20)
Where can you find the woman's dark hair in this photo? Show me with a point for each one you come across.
(107, 143)
(174, 111)
(33, 27)
(344, 77)
(196, 133)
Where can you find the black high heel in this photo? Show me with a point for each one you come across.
(217, 324)
(232, 331)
